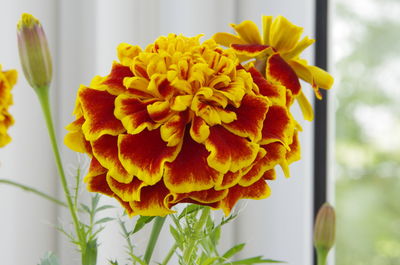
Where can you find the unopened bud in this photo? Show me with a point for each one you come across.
(34, 52)
(325, 227)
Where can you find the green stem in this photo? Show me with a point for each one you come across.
(155, 232)
(321, 256)
(169, 254)
(33, 190)
(197, 230)
(43, 96)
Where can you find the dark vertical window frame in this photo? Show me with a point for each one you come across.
(321, 109)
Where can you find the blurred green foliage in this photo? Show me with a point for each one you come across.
(367, 64)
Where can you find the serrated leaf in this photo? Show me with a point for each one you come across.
(137, 259)
(190, 209)
(216, 235)
(141, 222)
(104, 220)
(113, 262)
(49, 259)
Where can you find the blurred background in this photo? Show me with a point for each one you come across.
(365, 60)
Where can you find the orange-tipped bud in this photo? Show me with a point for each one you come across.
(34, 52)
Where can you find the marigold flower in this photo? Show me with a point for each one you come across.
(278, 52)
(7, 81)
(34, 52)
(182, 122)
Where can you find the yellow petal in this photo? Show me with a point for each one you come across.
(248, 31)
(284, 35)
(226, 39)
(266, 22)
(321, 78)
(299, 48)
(305, 107)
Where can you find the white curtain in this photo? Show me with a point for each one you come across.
(83, 36)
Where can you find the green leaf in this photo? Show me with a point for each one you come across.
(253, 260)
(49, 259)
(175, 234)
(209, 261)
(104, 220)
(90, 255)
(113, 262)
(141, 222)
(192, 208)
(234, 250)
(104, 207)
(86, 208)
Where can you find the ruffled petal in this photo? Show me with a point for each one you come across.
(229, 152)
(284, 35)
(133, 113)
(115, 80)
(207, 196)
(199, 130)
(250, 117)
(126, 191)
(173, 130)
(248, 31)
(98, 108)
(257, 170)
(190, 171)
(257, 191)
(127, 52)
(145, 154)
(276, 93)
(153, 201)
(105, 149)
(279, 71)
(278, 126)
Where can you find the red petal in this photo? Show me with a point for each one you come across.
(153, 201)
(145, 154)
(98, 184)
(229, 152)
(278, 70)
(258, 190)
(278, 126)
(105, 149)
(208, 196)
(250, 117)
(133, 113)
(115, 80)
(126, 191)
(98, 110)
(275, 93)
(251, 50)
(190, 171)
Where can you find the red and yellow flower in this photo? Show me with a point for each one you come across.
(7, 81)
(182, 122)
(277, 53)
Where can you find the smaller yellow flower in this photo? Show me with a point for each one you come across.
(280, 40)
(7, 81)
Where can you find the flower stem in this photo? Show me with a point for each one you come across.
(197, 230)
(43, 96)
(169, 254)
(155, 232)
(33, 190)
(321, 256)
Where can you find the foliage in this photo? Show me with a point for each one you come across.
(367, 129)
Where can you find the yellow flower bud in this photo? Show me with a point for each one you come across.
(34, 52)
